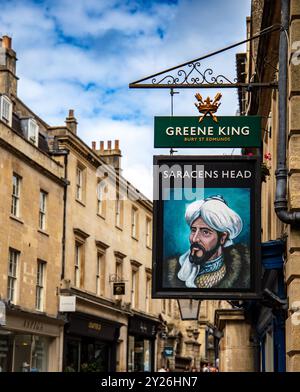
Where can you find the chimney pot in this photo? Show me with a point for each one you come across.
(6, 42)
(101, 145)
(94, 145)
(116, 144)
(109, 145)
(71, 122)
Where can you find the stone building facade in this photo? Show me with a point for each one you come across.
(66, 231)
(32, 189)
(74, 230)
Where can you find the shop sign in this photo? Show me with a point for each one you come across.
(33, 325)
(168, 351)
(119, 288)
(2, 313)
(67, 303)
(94, 326)
(142, 327)
(206, 228)
(188, 132)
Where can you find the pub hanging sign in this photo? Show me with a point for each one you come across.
(119, 288)
(206, 227)
(208, 130)
(188, 132)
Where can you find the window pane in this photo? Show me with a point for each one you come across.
(39, 354)
(99, 198)
(13, 206)
(39, 292)
(133, 222)
(40, 274)
(98, 275)
(22, 353)
(12, 263)
(133, 289)
(38, 298)
(79, 177)
(15, 195)
(78, 183)
(77, 265)
(41, 221)
(118, 212)
(131, 353)
(11, 288)
(43, 201)
(15, 185)
(5, 110)
(77, 255)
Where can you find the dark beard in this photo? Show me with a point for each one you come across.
(207, 254)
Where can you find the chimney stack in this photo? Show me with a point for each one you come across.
(8, 78)
(6, 42)
(93, 145)
(111, 156)
(71, 122)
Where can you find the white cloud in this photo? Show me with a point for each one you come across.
(83, 54)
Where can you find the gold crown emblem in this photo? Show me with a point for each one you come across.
(208, 106)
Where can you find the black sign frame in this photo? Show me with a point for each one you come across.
(159, 290)
(119, 288)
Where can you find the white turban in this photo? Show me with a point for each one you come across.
(217, 215)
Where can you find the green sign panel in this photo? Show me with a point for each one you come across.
(188, 132)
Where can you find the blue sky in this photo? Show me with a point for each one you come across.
(83, 54)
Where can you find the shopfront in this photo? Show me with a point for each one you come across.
(29, 343)
(141, 344)
(90, 344)
(272, 313)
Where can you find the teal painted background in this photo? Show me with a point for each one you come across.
(176, 231)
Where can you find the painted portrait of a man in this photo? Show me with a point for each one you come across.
(216, 257)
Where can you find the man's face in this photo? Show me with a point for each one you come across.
(205, 242)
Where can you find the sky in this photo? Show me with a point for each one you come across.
(82, 55)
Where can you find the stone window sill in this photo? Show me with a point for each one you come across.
(43, 232)
(15, 218)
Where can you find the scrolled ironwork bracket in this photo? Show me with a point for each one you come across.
(190, 74)
(114, 278)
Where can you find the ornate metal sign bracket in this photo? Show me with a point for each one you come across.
(191, 75)
(114, 278)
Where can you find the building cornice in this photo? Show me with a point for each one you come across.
(90, 298)
(224, 315)
(146, 316)
(25, 312)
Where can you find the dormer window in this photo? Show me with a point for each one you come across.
(6, 110)
(31, 130)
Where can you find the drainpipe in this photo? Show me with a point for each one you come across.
(65, 218)
(280, 203)
(65, 154)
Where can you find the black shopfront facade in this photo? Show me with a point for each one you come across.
(90, 344)
(141, 344)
